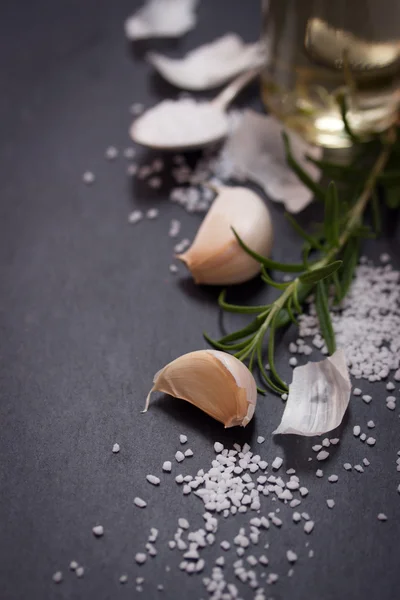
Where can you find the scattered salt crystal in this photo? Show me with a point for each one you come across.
(326, 442)
(317, 447)
(88, 177)
(167, 466)
(390, 386)
(272, 578)
(179, 456)
(391, 405)
(73, 565)
(129, 152)
(260, 439)
(140, 558)
(319, 473)
(293, 361)
(366, 462)
(356, 430)
(153, 479)
(367, 399)
(111, 153)
(173, 268)
(371, 441)
(98, 530)
(123, 578)
(174, 228)
(218, 447)
(330, 503)
(303, 491)
(323, 455)
(357, 392)
(183, 438)
(333, 478)
(382, 517)
(277, 463)
(291, 556)
(397, 375)
(370, 424)
(284, 396)
(139, 502)
(310, 553)
(135, 216)
(152, 213)
(80, 571)
(57, 577)
(131, 170)
(334, 441)
(116, 448)
(363, 437)
(308, 526)
(296, 517)
(188, 452)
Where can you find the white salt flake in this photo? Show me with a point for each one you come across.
(80, 571)
(323, 455)
(152, 213)
(330, 503)
(188, 452)
(57, 577)
(111, 153)
(153, 479)
(131, 170)
(139, 502)
(366, 462)
(88, 177)
(363, 437)
(140, 558)
(183, 438)
(116, 448)
(277, 463)
(333, 478)
(371, 424)
(319, 473)
(308, 526)
(356, 430)
(167, 466)
(367, 399)
(391, 405)
(358, 468)
(260, 439)
(382, 517)
(371, 441)
(291, 556)
(173, 268)
(98, 530)
(357, 392)
(73, 565)
(390, 386)
(179, 456)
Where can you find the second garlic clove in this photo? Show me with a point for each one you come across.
(216, 382)
(215, 257)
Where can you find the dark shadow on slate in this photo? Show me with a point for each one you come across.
(189, 415)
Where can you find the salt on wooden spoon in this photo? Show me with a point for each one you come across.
(181, 125)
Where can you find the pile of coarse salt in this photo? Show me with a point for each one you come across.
(366, 325)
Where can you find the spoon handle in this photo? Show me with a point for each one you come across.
(231, 91)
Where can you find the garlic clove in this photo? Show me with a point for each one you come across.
(216, 382)
(215, 257)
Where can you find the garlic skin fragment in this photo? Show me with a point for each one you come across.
(161, 18)
(215, 257)
(216, 382)
(318, 397)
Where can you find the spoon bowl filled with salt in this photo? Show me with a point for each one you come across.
(183, 125)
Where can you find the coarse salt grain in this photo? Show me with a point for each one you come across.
(179, 456)
(371, 441)
(330, 503)
(323, 455)
(140, 558)
(356, 430)
(111, 153)
(153, 479)
(98, 530)
(88, 177)
(260, 439)
(57, 577)
(291, 556)
(167, 466)
(277, 463)
(73, 565)
(139, 502)
(371, 424)
(347, 466)
(152, 213)
(116, 448)
(319, 473)
(183, 438)
(333, 478)
(382, 517)
(80, 571)
(135, 216)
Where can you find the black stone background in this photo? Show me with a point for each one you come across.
(88, 313)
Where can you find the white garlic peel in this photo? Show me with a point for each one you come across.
(162, 18)
(215, 257)
(216, 382)
(318, 397)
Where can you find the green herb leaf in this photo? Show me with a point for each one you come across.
(224, 347)
(267, 279)
(331, 221)
(238, 309)
(241, 333)
(343, 110)
(324, 317)
(267, 262)
(271, 357)
(264, 373)
(312, 240)
(315, 275)
(350, 261)
(308, 181)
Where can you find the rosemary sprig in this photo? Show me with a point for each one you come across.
(336, 245)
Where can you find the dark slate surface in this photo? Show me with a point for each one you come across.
(89, 311)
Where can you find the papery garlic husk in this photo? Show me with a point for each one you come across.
(215, 257)
(318, 397)
(216, 382)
